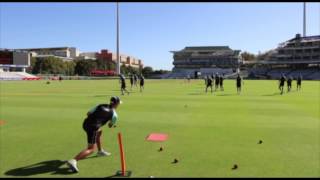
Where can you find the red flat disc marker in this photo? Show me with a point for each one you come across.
(157, 137)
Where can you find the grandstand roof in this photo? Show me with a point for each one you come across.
(306, 38)
(207, 48)
(48, 48)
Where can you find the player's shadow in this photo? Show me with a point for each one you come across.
(274, 94)
(103, 95)
(52, 166)
(197, 93)
(226, 94)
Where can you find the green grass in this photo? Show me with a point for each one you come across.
(209, 136)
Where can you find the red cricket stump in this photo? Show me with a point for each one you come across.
(123, 171)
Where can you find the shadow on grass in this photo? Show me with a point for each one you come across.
(198, 93)
(274, 94)
(52, 166)
(118, 174)
(103, 95)
(227, 95)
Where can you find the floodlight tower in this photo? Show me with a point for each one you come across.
(304, 19)
(118, 56)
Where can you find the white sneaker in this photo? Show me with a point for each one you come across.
(73, 165)
(103, 153)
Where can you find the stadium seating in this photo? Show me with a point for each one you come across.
(183, 73)
(309, 73)
(17, 76)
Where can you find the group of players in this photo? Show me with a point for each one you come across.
(133, 82)
(289, 80)
(214, 79)
(217, 80)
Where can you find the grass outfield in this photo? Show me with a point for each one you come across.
(43, 124)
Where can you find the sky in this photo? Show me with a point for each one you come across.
(149, 31)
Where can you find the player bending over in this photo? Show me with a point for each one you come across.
(96, 118)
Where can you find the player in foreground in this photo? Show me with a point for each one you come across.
(96, 118)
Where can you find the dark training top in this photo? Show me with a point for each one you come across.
(221, 80)
(98, 117)
(131, 79)
(209, 82)
(217, 80)
(141, 81)
(238, 81)
(123, 81)
(289, 82)
(299, 80)
(282, 80)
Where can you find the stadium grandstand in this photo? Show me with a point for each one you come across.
(300, 55)
(13, 65)
(204, 60)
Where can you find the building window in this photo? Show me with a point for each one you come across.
(315, 57)
(316, 50)
(307, 50)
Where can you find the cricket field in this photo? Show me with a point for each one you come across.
(41, 126)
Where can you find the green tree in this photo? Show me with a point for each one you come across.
(147, 71)
(69, 66)
(128, 70)
(84, 67)
(248, 56)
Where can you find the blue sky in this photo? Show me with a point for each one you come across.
(150, 30)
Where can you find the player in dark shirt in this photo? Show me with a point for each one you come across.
(96, 118)
(209, 83)
(141, 83)
(205, 80)
(221, 82)
(131, 80)
(289, 83)
(281, 83)
(239, 83)
(217, 81)
(299, 80)
(135, 80)
(123, 84)
(212, 77)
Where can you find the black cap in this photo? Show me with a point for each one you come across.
(115, 100)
